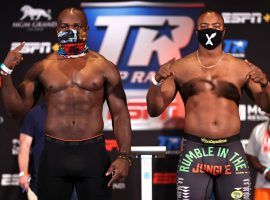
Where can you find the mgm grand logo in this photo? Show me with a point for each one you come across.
(34, 19)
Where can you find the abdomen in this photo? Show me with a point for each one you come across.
(74, 114)
(210, 116)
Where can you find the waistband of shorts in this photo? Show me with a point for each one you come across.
(212, 141)
(90, 140)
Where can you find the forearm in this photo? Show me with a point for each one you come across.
(265, 99)
(12, 100)
(23, 159)
(155, 101)
(256, 164)
(122, 131)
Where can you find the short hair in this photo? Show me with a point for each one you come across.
(205, 11)
(73, 10)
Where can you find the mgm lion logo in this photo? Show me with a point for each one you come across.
(35, 13)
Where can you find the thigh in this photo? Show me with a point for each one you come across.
(193, 186)
(235, 184)
(91, 184)
(54, 188)
(52, 185)
(190, 183)
(94, 188)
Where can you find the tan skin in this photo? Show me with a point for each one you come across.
(23, 159)
(205, 108)
(75, 90)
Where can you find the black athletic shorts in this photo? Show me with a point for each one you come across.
(212, 165)
(65, 165)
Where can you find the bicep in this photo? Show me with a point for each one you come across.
(260, 98)
(30, 88)
(26, 91)
(253, 90)
(116, 98)
(114, 92)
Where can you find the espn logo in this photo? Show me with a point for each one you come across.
(33, 47)
(242, 17)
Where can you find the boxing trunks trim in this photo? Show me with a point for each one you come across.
(90, 140)
(212, 141)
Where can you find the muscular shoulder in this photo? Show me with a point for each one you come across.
(237, 63)
(186, 65)
(94, 55)
(185, 61)
(37, 68)
(51, 56)
(110, 70)
(102, 63)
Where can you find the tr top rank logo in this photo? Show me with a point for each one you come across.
(138, 37)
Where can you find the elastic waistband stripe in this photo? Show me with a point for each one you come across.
(212, 141)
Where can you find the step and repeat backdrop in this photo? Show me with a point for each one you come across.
(137, 37)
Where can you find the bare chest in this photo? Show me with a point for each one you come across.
(61, 76)
(220, 73)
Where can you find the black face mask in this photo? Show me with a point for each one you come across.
(210, 38)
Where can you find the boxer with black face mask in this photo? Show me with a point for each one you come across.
(210, 83)
(210, 38)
